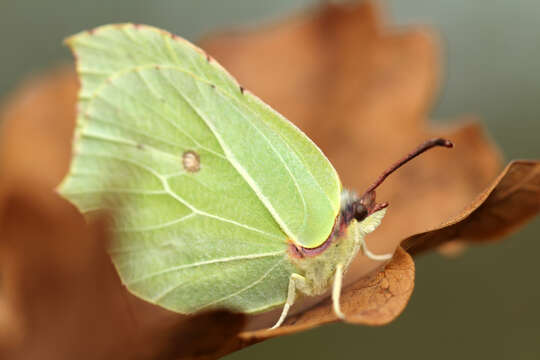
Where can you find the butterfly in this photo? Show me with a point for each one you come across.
(221, 201)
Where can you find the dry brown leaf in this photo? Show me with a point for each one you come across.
(204, 336)
(37, 125)
(361, 91)
(57, 280)
(61, 292)
(512, 199)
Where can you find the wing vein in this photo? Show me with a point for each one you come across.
(118, 191)
(151, 109)
(156, 227)
(127, 142)
(203, 263)
(239, 168)
(122, 128)
(169, 191)
(291, 175)
(244, 288)
(204, 213)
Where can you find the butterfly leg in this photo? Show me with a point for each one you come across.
(336, 291)
(295, 282)
(373, 256)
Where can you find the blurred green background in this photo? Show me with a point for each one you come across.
(484, 304)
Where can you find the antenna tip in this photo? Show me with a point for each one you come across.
(443, 142)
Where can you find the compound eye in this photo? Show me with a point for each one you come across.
(360, 211)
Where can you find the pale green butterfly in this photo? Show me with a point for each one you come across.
(224, 203)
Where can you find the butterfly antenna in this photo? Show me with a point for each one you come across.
(366, 204)
(419, 150)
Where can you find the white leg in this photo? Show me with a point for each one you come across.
(295, 281)
(373, 256)
(282, 317)
(336, 291)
